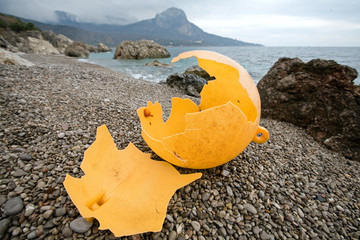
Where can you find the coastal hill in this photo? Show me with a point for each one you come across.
(170, 27)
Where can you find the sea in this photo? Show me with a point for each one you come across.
(256, 60)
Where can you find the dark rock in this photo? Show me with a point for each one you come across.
(157, 63)
(319, 96)
(197, 70)
(77, 49)
(191, 83)
(140, 50)
(13, 206)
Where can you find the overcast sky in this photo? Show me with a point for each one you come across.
(268, 22)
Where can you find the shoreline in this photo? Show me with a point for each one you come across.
(288, 187)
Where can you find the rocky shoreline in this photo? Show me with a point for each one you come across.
(288, 188)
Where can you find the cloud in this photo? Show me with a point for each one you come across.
(277, 22)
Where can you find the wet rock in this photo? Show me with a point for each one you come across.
(197, 70)
(190, 83)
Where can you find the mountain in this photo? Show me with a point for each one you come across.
(170, 27)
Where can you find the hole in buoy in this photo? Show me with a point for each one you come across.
(147, 113)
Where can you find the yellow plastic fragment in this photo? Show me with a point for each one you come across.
(125, 190)
(217, 130)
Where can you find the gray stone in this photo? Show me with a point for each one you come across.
(196, 225)
(4, 224)
(19, 173)
(13, 206)
(25, 157)
(60, 212)
(250, 208)
(80, 225)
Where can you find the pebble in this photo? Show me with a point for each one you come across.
(13, 206)
(4, 224)
(31, 235)
(29, 209)
(256, 230)
(48, 214)
(264, 236)
(229, 191)
(225, 173)
(250, 208)
(67, 232)
(80, 225)
(25, 157)
(205, 196)
(61, 135)
(19, 173)
(172, 235)
(195, 225)
(60, 212)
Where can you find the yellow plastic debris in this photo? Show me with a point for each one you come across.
(217, 130)
(125, 190)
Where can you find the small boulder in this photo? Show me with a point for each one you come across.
(38, 46)
(77, 49)
(157, 63)
(319, 96)
(91, 48)
(140, 50)
(192, 84)
(10, 58)
(59, 41)
(102, 48)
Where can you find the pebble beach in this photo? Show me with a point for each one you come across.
(291, 187)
